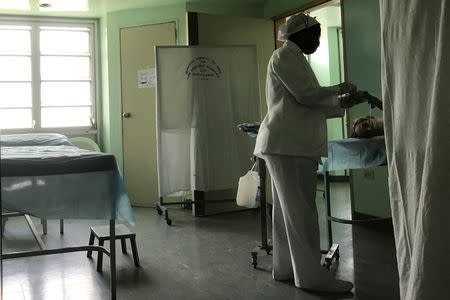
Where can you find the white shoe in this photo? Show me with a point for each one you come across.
(282, 277)
(332, 286)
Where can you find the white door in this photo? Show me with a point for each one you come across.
(137, 52)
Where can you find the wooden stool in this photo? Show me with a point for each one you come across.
(122, 233)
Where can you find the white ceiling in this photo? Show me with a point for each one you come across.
(95, 7)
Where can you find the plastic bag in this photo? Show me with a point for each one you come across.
(248, 189)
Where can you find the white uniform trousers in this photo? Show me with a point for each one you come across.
(296, 237)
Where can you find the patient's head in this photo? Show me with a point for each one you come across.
(367, 127)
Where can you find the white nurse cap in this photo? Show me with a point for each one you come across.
(294, 24)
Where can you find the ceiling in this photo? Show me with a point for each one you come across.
(93, 8)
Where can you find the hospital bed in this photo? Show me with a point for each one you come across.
(348, 154)
(32, 140)
(45, 176)
(344, 154)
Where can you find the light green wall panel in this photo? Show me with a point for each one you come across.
(362, 41)
(112, 108)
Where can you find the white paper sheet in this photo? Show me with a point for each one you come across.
(146, 78)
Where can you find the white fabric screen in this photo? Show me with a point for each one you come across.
(416, 94)
(202, 94)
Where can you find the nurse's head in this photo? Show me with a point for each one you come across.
(302, 30)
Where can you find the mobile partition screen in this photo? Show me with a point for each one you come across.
(203, 92)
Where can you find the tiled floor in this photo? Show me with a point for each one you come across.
(196, 258)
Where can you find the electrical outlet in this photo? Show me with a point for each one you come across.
(369, 174)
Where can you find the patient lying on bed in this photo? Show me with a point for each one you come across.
(367, 127)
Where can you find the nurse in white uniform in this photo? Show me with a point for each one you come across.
(291, 139)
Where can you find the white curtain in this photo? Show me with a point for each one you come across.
(202, 94)
(416, 93)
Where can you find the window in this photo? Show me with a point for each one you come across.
(47, 78)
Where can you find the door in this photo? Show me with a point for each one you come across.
(137, 53)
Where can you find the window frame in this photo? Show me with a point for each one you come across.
(35, 23)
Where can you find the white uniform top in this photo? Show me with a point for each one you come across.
(298, 106)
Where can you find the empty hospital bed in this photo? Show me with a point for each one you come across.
(43, 175)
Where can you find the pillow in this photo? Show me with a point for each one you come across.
(34, 139)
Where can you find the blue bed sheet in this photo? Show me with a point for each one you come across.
(353, 153)
(72, 186)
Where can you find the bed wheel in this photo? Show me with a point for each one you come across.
(169, 222)
(159, 211)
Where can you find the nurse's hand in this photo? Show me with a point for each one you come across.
(350, 100)
(346, 88)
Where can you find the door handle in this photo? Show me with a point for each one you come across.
(126, 115)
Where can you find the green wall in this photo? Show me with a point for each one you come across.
(325, 64)
(227, 8)
(335, 125)
(319, 60)
(273, 8)
(334, 54)
(362, 42)
(112, 103)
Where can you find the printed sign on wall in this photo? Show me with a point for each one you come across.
(146, 78)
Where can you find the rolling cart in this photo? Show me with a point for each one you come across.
(264, 247)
